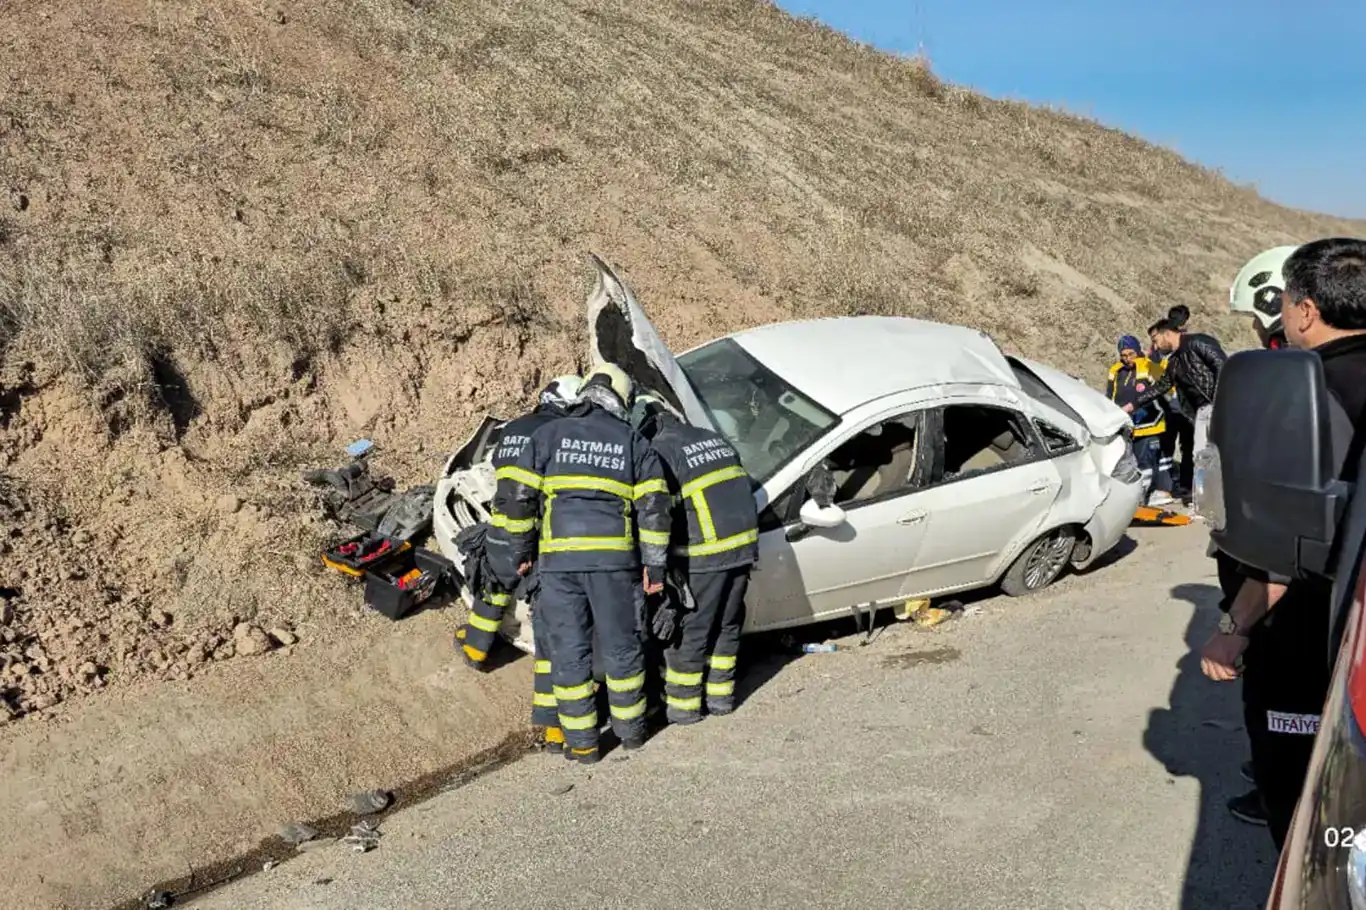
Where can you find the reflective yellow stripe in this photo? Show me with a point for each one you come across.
(734, 472)
(721, 662)
(588, 721)
(630, 712)
(544, 700)
(584, 482)
(523, 477)
(683, 679)
(721, 688)
(542, 666)
(658, 538)
(554, 735)
(699, 503)
(570, 693)
(684, 704)
(482, 623)
(475, 654)
(573, 544)
(512, 525)
(496, 600)
(725, 544)
(648, 487)
(629, 684)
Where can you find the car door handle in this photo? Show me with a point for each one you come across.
(1040, 486)
(911, 519)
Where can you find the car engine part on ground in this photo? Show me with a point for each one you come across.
(350, 494)
(410, 514)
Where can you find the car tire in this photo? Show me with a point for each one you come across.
(1040, 564)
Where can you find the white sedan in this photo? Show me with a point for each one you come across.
(954, 466)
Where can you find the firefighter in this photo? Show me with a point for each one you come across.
(1278, 626)
(477, 636)
(1128, 378)
(714, 547)
(587, 501)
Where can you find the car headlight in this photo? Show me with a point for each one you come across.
(1126, 469)
(1207, 487)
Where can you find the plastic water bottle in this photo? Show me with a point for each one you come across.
(820, 648)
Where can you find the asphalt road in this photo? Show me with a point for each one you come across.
(1061, 751)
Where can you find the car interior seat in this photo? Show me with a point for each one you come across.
(1003, 448)
(869, 465)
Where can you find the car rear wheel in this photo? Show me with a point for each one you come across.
(1040, 564)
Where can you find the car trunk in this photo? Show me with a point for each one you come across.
(619, 333)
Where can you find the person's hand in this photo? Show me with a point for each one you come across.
(1219, 658)
(651, 587)
(524, 568)
(1128, 409)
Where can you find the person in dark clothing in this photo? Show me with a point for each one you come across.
(1128, 378)
(1278, 626)
(715, 543)
(477, 636)
(1194, 361)
(1180, 432)
(587, 500)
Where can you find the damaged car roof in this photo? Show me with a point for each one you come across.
(843, 362)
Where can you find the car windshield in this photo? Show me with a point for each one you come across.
(765, 418)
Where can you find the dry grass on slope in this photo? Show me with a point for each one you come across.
(241, 233)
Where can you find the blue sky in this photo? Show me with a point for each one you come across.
(1273, 92)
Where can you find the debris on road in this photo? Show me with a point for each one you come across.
(926, 615)
(561, 790)
(363, 838)
(297, 833)
(369, 802)
(824, 647)
(309, 846)
(159, 900)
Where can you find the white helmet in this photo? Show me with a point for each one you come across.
(1257, 289)
(616, 380)
(562, 389)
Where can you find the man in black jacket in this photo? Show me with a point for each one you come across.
(1194, 361)
(587, 500)
(1276, 625)
(715, 543)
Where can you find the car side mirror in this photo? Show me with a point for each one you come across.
(1268, 483)
(815, 515)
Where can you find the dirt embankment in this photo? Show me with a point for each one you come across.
(235, 236)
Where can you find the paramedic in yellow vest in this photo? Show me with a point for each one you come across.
(1129, 378)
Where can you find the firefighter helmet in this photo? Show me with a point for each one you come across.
(1257, 289)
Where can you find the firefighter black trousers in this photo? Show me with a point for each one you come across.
(704, 657)
(544, 710)
(480, 631)
(572, 606)
(1285, 682)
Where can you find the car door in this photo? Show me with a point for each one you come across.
(976, 518)
(810, 573)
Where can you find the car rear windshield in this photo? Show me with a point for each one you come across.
(765, 417)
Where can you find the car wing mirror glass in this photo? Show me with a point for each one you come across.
(1267, 483)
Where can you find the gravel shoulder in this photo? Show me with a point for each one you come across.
(1054, 752)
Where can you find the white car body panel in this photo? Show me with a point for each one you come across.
(955, 536)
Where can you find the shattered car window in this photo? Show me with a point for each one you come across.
(765, 418)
